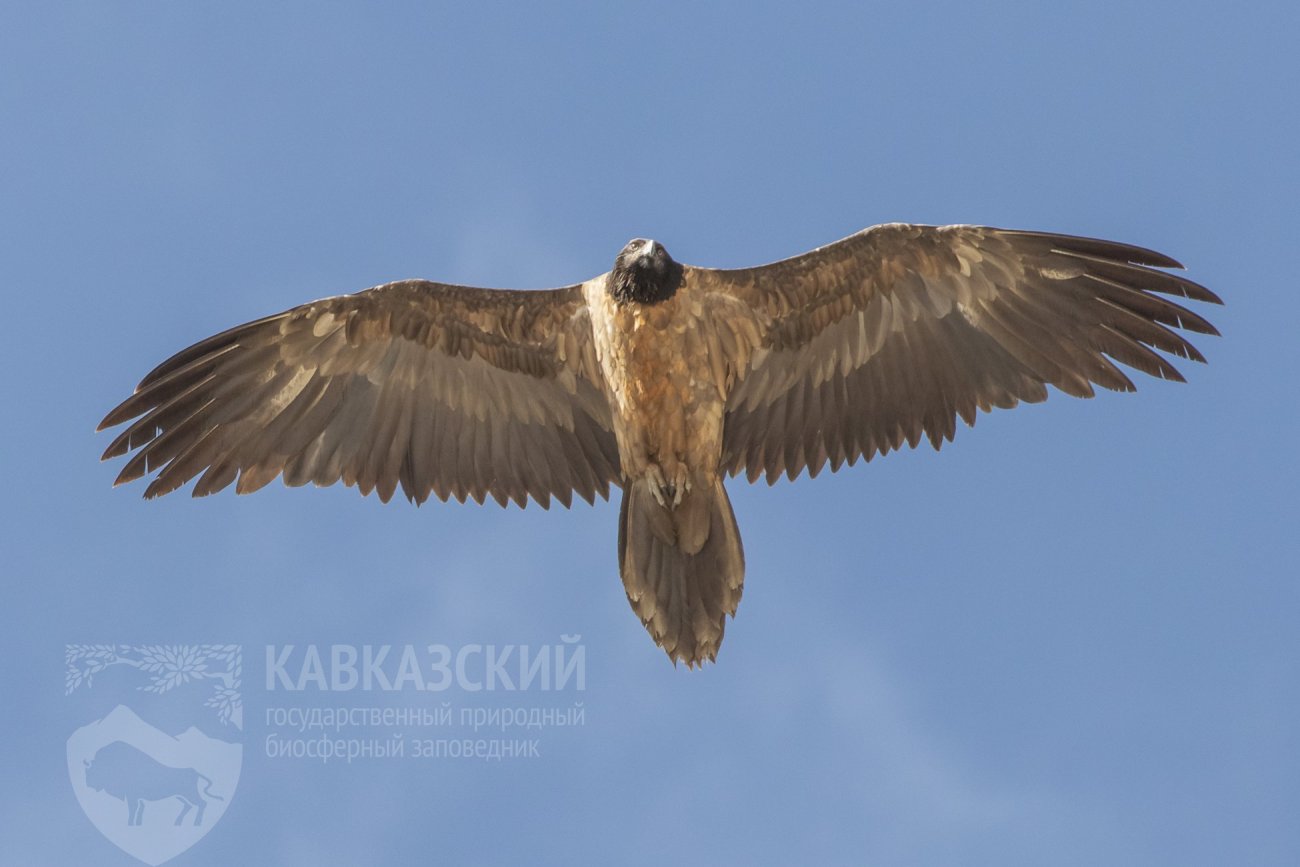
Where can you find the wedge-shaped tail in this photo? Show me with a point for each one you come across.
(683, 569)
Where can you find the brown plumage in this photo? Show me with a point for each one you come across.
(660, 378)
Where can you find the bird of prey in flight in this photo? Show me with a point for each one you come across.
(662, 379)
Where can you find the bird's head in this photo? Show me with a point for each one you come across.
(644, 273)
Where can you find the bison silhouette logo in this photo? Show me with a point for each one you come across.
(156, 775)
(124, 772)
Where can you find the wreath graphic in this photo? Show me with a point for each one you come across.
(168, 666)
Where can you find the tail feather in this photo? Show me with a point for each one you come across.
(683, 569)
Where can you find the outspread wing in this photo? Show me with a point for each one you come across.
(891, 334)
(453, 390)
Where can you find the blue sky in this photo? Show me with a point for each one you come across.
(1069, 638)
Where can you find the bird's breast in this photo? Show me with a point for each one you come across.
(667, 404)
(657, 354)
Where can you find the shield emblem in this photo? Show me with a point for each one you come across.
(156, 764)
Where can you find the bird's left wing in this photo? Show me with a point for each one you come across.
(891, 334)
(453, 390)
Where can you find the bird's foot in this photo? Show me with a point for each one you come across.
(681, 484)
(654, 476)
(668, 493)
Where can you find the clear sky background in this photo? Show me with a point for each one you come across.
(1069, 638)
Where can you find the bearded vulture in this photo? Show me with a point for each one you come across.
(660, 378)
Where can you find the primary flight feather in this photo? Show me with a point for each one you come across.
(660, 378)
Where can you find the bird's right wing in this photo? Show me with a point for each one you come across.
(450, 390)
(891, 334)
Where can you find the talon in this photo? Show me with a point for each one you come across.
(655, 476)
(681, 485)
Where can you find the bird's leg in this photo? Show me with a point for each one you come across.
(654, 475)
(681, 484)
(668, 494)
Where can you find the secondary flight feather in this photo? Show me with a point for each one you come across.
(661, 379)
